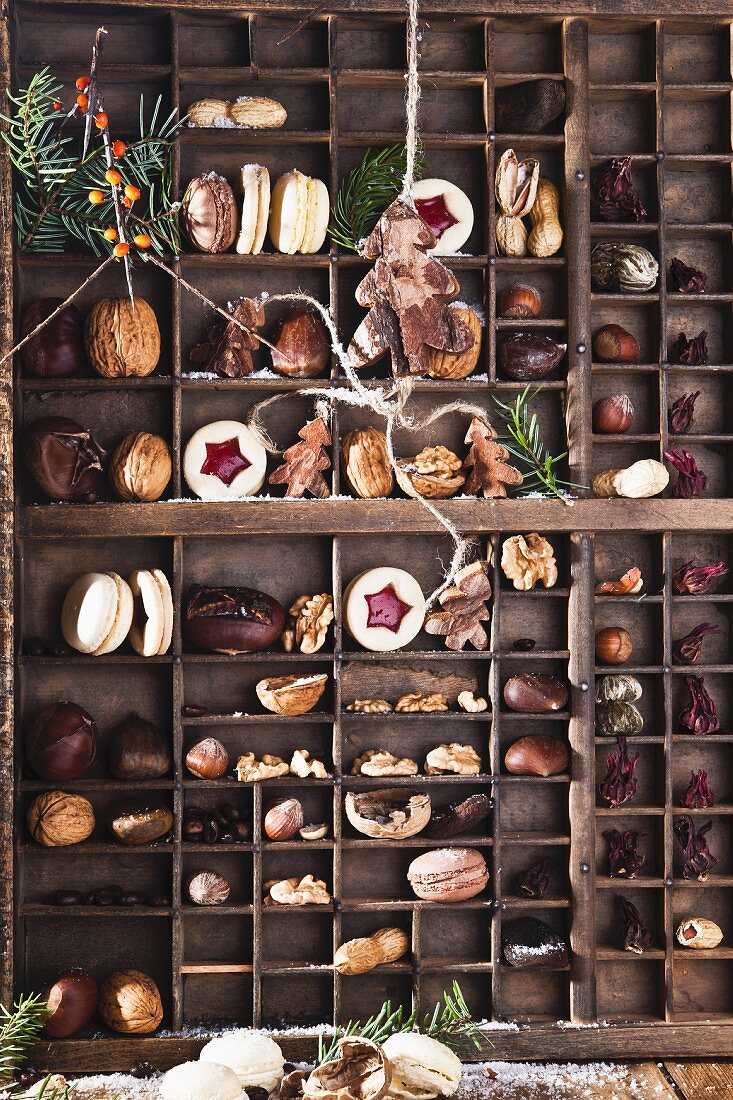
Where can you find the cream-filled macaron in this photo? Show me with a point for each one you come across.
(385, 608)
(255, 209)
(255, 1058)
(96, 613)
(316, 221)
(123, 617)
(224, 460)
(422, 1068)
(152, 620)
(289, 212)
(448, 212)
(201, 1081)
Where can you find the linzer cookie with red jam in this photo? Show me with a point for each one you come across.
(448, 212)
(384, 608)
(224, 460)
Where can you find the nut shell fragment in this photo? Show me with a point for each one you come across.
(361, 1071)
(291, 695)
(388, 813)
(699, 933)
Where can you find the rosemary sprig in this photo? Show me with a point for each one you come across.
(450, 1023)
(524, 443)
(366, 193)
(20, 1029)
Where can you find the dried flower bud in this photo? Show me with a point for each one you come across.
(615, 195)
(698, 859)
(624, 861)
(699, 795)
(620, 783)
(690, 353)
(535, 881)
(699, 714)
(637, 937)
(687, 650)
(696, 580)
(681, 413)
(686, 280)
(691, 480)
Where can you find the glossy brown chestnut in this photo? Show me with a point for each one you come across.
(61, 742)
(614, 344)
(519, 300)
(232, 620)
(136, 749)
(207, 759)
(58, 349)
(613, 415)
(284, 819)
(613, 645)
(72, 1001)
(537, 755)
(64, 459)
(535, 693)
(141, 823)
(527, 356)
(303, 345)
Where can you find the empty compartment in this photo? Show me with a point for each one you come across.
(622, 123)
(697, 193)
(621, 54)
(216, 939)
(696, 56)
(214, 43)
(279, 47)
(697, 124)
(306, 939)
(630, 989)
(370, 43)
(208, 998)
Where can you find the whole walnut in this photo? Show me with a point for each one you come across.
(140, 467)
(129, 1002)
(122, 342)
(57, 819)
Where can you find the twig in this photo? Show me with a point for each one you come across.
(92, 94)
(303, 23)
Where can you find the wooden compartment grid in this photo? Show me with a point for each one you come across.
(336, 75)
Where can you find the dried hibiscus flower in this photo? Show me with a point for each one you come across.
(690, 353)
(624, 861)
(699, 795)
(695, 580)
(691, 480)
(619, 786)
(682, 412)
(685, 279)
(699, 860)
(615, 195)
(535, 881)
(687, 650)
(699, 715)
(637, 937)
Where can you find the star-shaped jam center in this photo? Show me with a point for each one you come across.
(435, 212)
(225, 460)
(386, 609)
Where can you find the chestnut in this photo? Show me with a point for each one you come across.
(64, 459)
(61, 742)
(535, 693)
(58, 349)
(614, 344)
(303, 345)
(207, 759)
(141, 823)
(68, 897)
(537, 755)
(232, 620)
(138, 750)
(72, 1001)
(519, 300)
(529, 356)
(613, 415)
(613, 645)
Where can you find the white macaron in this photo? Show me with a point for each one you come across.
(255, 1058)
(255, 209)
(201, 1081)
(421, 1066)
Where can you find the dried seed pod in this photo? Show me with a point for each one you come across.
(625, 268)
(618, 687)
(207, 888)
(618, 717)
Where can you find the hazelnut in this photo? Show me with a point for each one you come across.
(537, 755)
(613, 344)
(303, 345)
(208, 759)
(613, 415)
(122, 342)
(140, 467)
(207, 888)
(284, 819)
(519, 300)
(613, 645)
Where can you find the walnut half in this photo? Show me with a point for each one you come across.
(527, 559)
(251, 770)
(310, 618)
(378, 762)
(370, 706)
(417, 703)
(292, 891)
(454, 758)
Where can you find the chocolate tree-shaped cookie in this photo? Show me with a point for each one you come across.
(406, 293)
(227, 351)
(304, 462)
(464, 609)
(488, 473)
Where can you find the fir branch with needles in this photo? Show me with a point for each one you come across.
(20, 1029)
(524, 443)
(366, 192)
(450, 1022)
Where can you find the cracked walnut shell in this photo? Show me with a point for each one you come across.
(390, 813)
(293, 891)
(122, 342)
(454, 758)
(311, 617)
(291, 695)
(140, 467)
(365, 463)
(251, 770)
(379, 762)
(434, 473)
(417, 703)
(360, 1071)
(527, 559)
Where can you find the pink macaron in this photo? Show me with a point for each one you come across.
(448, 874)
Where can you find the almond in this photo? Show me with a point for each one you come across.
(291, 695)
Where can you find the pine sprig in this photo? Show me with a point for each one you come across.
(525, 444)
(366, 193)
(20, 1029)
(451, 1023)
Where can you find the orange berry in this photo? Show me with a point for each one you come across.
(100, 120)
(121, 249)
(132, 192)
(142, 240)
(82, 102)
(95, 197)
(58, 105)
(127, 202)
(112, 176)
(110, 234)
(82, 83)
(119, 148)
